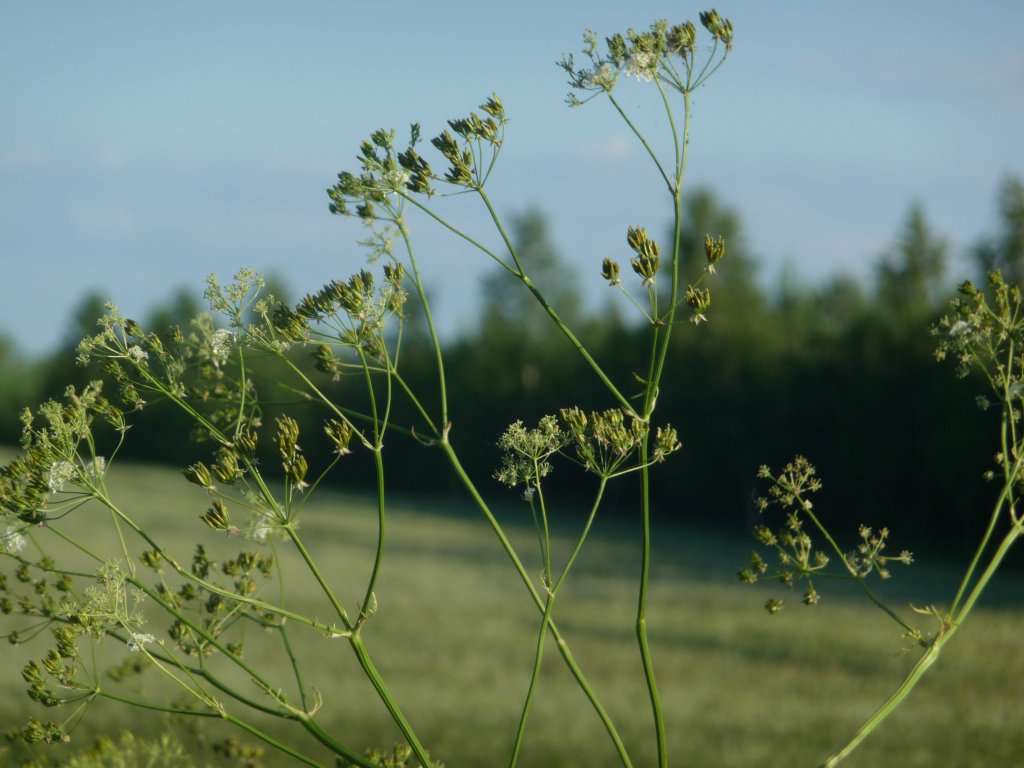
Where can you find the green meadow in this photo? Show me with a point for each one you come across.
(454, 635)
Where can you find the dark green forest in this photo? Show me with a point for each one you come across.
(843, 373)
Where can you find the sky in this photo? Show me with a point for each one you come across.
(144, 146)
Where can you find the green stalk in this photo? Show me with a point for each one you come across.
(356, 641)
(641, 608)
(307, 722)
(435, 341)
(563, 646)
(549, 605)
(379, 553)
(339, 609)
(266, 738)
(577, 344)
(361, 654)
(534, 677)
(931, 654)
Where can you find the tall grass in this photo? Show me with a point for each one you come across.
(740, 687)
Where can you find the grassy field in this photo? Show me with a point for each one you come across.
(454, 637)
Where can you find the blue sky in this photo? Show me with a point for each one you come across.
(145, 145)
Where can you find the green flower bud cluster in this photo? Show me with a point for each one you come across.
(386, 172)
(526, 452)
(699, 300)
(655, 54)
(475, 132)
(714, 250)
(603, 440)
(798, 559)
(35, 732)
(647, 261)
(610, 272)
(217, 517)
(50, 468)
(869, 555)
(717, 26)
(226, 467)
(292, 460)
(352, 312)
(340, 434)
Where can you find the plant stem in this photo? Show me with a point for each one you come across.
(563, 646)
(534, 677)
(930, 655)
(356, 641)
(641, 609)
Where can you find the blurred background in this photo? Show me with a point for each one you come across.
(859, 161)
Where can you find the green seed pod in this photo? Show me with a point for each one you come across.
(226, 467)
(297, 469)
(714, 250)
(217, 516)
(610, 271)
(340, 433)
(199, 474)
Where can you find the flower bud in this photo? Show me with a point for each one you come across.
(698, 299)
(714, 250)
(226, 467)
(217, 516)
(610, 271)
(339, 433)
(297, 470)
(199, 474)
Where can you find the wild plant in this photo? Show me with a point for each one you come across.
(122, 603)
(983, 334)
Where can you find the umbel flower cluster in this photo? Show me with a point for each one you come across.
(799, 558)
(666, 54)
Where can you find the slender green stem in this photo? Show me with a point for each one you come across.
(566, 331)
(549, 605)
(641, 609)
(460, 233)
(266, 738)
(296, 671)
(356, 641)
(563, 646)
(950, 626)
(339, 609)
(861, 581)
(435, 340)
(1011, 477)
(534, 677)
(669, 320)
(379, 553)
(643, 141)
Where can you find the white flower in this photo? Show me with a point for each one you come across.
(220, 345)
(137, 353)
(603, 77)
(138, 639)
(642, 66)
(395, 179)
(60, 472)
(97, 467)
(263, 528)
(960, 328)
(12, 542)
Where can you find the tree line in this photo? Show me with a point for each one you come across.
(843, 373)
